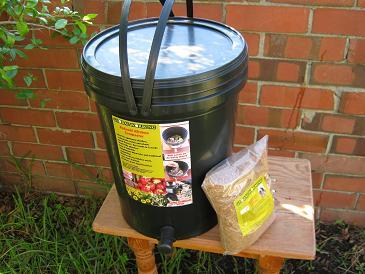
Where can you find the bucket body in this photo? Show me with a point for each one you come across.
(159, 159)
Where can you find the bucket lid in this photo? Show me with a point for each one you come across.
(190, 47)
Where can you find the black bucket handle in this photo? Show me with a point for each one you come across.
(152, 60)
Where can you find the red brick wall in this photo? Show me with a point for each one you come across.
(306, 89)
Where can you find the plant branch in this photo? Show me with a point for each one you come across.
(33, 25)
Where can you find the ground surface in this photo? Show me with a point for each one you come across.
(52, 234)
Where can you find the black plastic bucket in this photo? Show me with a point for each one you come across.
(170, 117)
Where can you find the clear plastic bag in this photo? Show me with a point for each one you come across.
(239, 190)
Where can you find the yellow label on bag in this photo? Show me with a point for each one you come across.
(254, 206)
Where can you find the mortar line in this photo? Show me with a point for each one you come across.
(261, 44)
(356, 200)
(347, 50)
(310, 20)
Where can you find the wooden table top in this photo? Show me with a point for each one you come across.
(292, 235)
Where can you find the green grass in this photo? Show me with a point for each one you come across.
(49, 235)
(46, 233)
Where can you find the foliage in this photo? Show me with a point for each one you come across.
(23, 17)
(42, 233)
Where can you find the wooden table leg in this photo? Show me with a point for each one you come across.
(270, 264)
(145, 258)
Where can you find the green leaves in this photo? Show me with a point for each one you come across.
(24, 16)
(25, 94)
(89, 16)
(7, 74)
(22, 28)
(60, 23)
(81, 26)
(28, 79)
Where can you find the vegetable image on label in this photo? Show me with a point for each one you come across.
(254, 206)
(156, 162)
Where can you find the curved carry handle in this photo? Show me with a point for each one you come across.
(152, 60)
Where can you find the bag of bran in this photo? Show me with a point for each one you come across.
(239, 190)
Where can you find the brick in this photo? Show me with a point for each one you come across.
(361, 202)
(351, 217)
(344, 183)
(335, 200)
(267, 18)
(330, 123)
(65, 138)
(248, 94)
(208, 11)
(54, 184)
(92, 6)
(27, 117)
(305, 47)
(36, 167)
(17, 133)
(100, 141)
(6, 166)
(353, 103)
(343, 145)
(92, 105)
(244, 135)
(65, 100)
(347, 145)
(339, 74)
(336, 163)
(342, 3)
(51, 38)
(356, 52)
(8, 97)
(50, 58)
(88, 156)
(339, 21)
(78, 120)
(285, 140)
(317, 179)
(39, 151)
(298, 47)
(253, 69)
(4, 148)
(66, 80)
(82, 172)
(36, 73)
(331, 49)
(288, 72)
(253, 42)
(281, 153)
(91, 189)
(8, 181)
(264, 116)
(59, 169)
(137, 11)
(276, 70)
(295, 97)
(361, 3)
(359, 128)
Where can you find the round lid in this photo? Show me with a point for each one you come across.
(189, 47)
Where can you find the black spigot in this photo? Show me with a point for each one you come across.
(167, 238)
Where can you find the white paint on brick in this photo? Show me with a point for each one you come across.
(308, 115)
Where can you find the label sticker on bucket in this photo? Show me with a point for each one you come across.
(156, 161)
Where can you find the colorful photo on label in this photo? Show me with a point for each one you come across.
(175, 137)
(158, 191)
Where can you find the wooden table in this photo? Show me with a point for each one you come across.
(292, 234)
